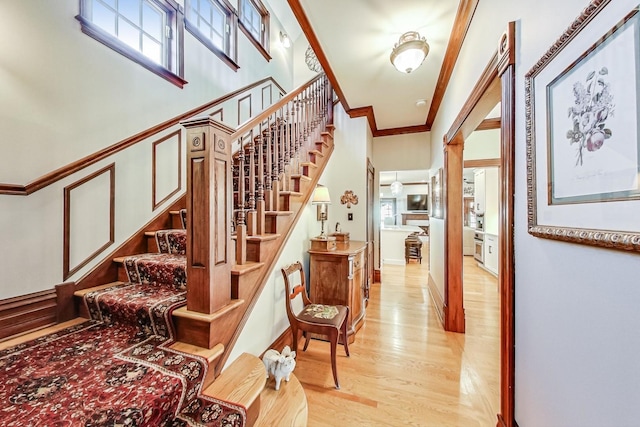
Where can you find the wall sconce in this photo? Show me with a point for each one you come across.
(285, 40)
(349, 198)
(409, 52)
(321, 199)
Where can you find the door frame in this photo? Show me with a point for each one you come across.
(497, 79)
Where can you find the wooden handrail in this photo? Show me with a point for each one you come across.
(71, 168)
(255, 121)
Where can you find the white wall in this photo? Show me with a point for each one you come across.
(482, 144)
(402, 152)
(347, 170)
(576, 310)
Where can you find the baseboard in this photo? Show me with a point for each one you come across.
(503, 423)
(437, 299)
(284, 339)
(27, 312)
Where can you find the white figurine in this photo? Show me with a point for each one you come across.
(280, 365)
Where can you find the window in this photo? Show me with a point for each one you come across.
(254, 22)
(148, 32)
(388, 211)
(214, 24)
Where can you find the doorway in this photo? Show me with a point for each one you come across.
(496, 84)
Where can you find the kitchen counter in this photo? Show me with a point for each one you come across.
(392, 242)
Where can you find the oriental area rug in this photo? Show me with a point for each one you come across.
(114, 370)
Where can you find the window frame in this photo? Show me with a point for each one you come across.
(174, 54)
(230, 58)
(263, 44)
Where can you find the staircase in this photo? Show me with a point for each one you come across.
(240, 210)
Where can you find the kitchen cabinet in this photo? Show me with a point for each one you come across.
(479, 194)
(491, 253)
(338, 276)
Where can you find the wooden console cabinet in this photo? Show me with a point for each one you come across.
(338, 277)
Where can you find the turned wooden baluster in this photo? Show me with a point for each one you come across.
(286, 152)
(268, 192)
(277, 158)
(241, 225)
(260, 184)
(251, 200)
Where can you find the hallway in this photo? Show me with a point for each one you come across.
(402, 372)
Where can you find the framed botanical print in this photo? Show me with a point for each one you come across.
(583, 131)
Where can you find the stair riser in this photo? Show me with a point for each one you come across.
(242, 286)
(256, 251)
(275, 223)
(207, 334)
(289, 201)
(176, 223)
(152, 245)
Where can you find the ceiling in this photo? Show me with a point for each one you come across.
(353, 40)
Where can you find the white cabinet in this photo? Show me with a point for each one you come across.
(491, 252)
(479, 192)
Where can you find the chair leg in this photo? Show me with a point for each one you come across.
(345, 340)
(333, 337)
(307, 337)
(294, 332)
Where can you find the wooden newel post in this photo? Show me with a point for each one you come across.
(209, 206)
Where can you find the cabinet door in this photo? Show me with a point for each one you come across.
(479, 191)
(491, 252)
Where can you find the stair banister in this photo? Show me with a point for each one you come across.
(210, 207)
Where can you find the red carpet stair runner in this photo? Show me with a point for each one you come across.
(116, 369)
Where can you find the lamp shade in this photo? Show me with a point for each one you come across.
(321, 195)
(409, 52)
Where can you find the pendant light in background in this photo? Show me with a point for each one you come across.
(396, 187)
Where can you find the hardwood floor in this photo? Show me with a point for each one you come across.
(404, 369)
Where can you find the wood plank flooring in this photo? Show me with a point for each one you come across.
(404, 369)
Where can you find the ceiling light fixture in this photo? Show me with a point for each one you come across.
(409, 52)
(285, 40)
(396, 187)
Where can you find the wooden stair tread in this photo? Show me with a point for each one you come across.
(317, 152)
(263, 237)
(278, 213)
(210, 354)
(240, 269)
(300, 176)
(310, 164)
(291, 193)
(82, 292)
(242, 382)
(32, 335)
(284, 407)
(183, 312)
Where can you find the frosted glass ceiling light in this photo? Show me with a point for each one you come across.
(409, 52)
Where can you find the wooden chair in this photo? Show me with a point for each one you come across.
(328, 320)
